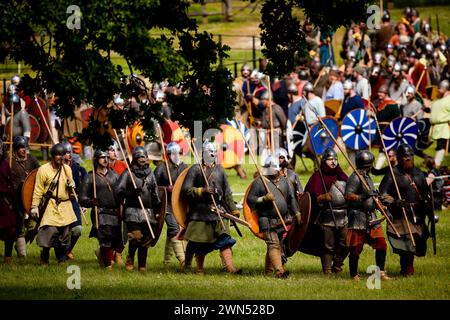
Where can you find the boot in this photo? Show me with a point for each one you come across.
(384, 276)
(353, 265)
(99, 257)
(21, 247)
(167, 251)
(188, 260)
(200, 264)
(406, 265)
(107, 256)
(227, 259)
(380, 259)
(142, 258)
(129, 265)
(326, 260)
(268, 265)
(118, 258)
(178, 248)
(73, 241)
(45, 256)
(275, 259)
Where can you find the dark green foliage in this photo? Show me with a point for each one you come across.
(76, 64)
(283, 36)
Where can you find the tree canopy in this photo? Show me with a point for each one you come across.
(156, 38)
(284, 48)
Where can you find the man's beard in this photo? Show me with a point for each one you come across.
(407, 165)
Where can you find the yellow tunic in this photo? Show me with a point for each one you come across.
(440, 118)
(63, 214)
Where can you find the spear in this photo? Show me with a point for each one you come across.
(164, 155)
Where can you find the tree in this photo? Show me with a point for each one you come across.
(71, 49)
(283, 49)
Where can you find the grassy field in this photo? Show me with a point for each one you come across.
(25, 279)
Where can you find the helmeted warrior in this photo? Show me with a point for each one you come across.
(21, 118)
(363, 226)
(108, 231)
(51, 205)
(78, 173)
(139, 235)
(282, 193)
(114, 163)
(22, 164)
(205, 230)
(176, 166)
(287, 172)
(416, 203)
(8, 218)
(327, 196)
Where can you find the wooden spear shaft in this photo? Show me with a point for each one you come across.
(94, 173)
(164, 155)
(269, 92)
(11, 126)
(134, 184)
(262, 177)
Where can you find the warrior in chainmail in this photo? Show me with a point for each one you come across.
(327, 196)
(108, 231)
(176, 167)
(287, 172)
(205, 231)
(362, 221)
(139, 235)
(22, 164)
(415, 202)
(282, 194)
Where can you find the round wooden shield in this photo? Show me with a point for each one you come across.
(35, 129)
(28, 190)
(320, 137)
(230, 146)
(162, 192)
(251, 216)
(179, 203)
(135, 135)
(34, 109)
(173, 132)
(297, 231)
(332, 107)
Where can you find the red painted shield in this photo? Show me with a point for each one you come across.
(35, 129)
(172, 132)
(34, 108)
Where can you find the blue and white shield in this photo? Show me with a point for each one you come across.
(400, 130)
(320, 140)
(358, 130)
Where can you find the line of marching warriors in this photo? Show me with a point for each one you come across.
(343, 209)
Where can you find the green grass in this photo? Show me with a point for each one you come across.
(25, 279)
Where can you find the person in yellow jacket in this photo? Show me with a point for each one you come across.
(54, 228)
(440, 119)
